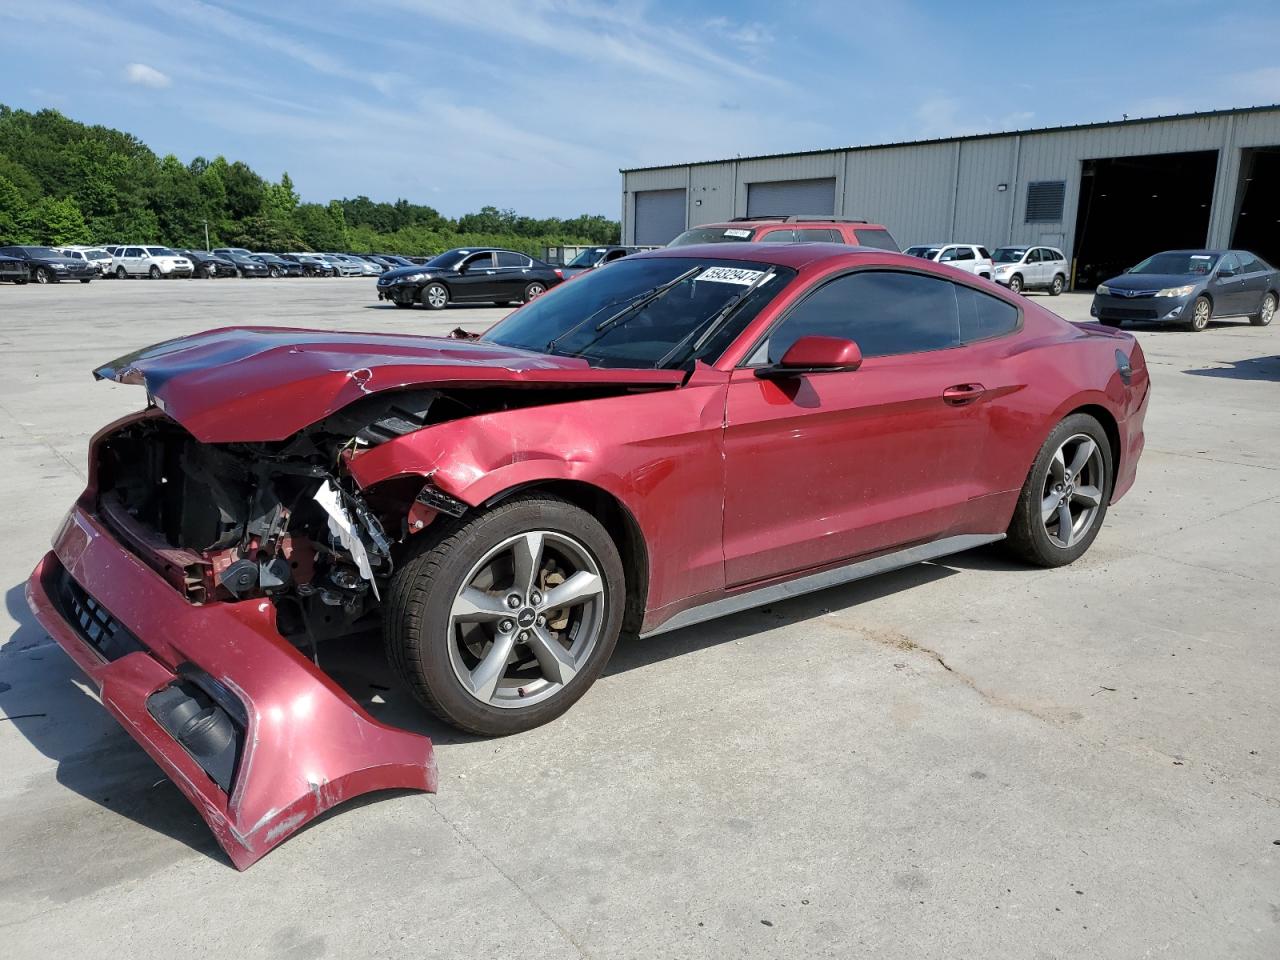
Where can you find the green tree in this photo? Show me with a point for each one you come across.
(58, 222)
(13, 214)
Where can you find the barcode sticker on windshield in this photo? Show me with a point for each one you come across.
(737, 233)
(1200, 256)
(730, 275)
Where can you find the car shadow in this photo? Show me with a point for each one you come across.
(453, 306)
(44, 696)
(1250, 368)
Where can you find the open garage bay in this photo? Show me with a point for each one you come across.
(963, 759)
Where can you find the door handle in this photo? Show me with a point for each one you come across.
(963, 393)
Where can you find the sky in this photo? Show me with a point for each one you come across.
(536, 104)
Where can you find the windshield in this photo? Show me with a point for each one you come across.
(97, 255)
(713, 235)
(40, 251)
(1178, 264)
(1010, 254)
(587, 258)
(924, 253)
(443, 261)
(572, 314)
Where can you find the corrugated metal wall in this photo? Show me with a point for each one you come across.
(949, 190)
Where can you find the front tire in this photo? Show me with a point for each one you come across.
(402, 304)
(1015, 284)
(1265, 312)
(1201, 314)
(501, 621)
(43, 275)
(1064, 499)
(121, 273)
(435, 296)
(274, 273)
(87, 281)
(1055, 288)
(154, 273)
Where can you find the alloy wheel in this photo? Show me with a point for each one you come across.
(42, 275)
(527, 618)
(1015, 284)
(1268, 311)
(1072, 490)
(533, 291)
(437, 296)
(1200, 314)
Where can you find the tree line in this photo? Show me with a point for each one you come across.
(63, 182)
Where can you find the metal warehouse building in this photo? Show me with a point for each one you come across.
(1108, 193)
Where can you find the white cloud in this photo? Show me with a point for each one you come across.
(145, 76)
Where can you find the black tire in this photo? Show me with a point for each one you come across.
(1201, 314)
(1015, 283)
(1266, 311)
(122, 273)
(533, 291)
(153, 273)
(87, 281)
(403, 305)
(1027, 537)
(435, 296)
(1113, 324)
(416, 614)
(44, 275)
(1055, 288)
(274, 273)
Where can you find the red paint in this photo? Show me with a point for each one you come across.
(731, 480)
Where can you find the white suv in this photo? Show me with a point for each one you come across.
(969, 257)
(153, 262)
(1028, 267)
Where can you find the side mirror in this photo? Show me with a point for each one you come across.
(1224, 274)
(814, 354)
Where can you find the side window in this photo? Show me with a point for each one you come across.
(880, 239)
(964, 253)
(133, 252)
(1229, 262)
(481, 261)
(886, 313)
(817, 235)
(517, 260)
(982, 252)
(613, 255)
(1248, 262)
(983, 316)
(949, 254)
(777, 236)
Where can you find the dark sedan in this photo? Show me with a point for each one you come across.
(247, 266)
(1190, 287)
(593, 257)
(485, 275)
(279, 266)
(312, 264)
(13, 270)
(48, 266)
(206, 265)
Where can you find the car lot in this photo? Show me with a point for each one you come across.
(966, 758)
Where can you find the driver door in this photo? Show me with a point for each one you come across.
(1228, 292)
(477, 278)
(829, 466)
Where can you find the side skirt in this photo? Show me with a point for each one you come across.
(821, 581)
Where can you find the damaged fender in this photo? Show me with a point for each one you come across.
(299, 744)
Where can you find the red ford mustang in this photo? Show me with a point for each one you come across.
(679, 435)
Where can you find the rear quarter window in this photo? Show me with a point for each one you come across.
(878, 238)
(983, 316)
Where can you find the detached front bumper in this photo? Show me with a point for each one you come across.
(270, 741)
(400, 293)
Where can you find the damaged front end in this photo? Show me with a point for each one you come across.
(194, 584)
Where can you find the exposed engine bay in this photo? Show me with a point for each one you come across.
(282, 520)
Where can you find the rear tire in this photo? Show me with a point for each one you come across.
(533, 291)
(428, 646)
(1265, 312)
(1201, 314)
(1055, 288)
(1036, 532)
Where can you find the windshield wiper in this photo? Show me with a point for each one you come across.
(712, 327)
(636, 304)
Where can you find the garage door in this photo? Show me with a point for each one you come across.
(786, 197)
(659, 216)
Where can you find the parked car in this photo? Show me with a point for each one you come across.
(238, 251)
(469, 275)
(791, 229)
(1191, 287)
(626, 453)
(367, 267)
(13, 270)
(207, 265)
(279, 266)
(1030, 267)
(46, 265)
(345, 266)
(247, 265)
(153, 262)
(96, 257)
(313, 265)
(969, 257)
(593, 257)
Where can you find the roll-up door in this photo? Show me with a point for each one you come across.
(659, 216)
(787, 197)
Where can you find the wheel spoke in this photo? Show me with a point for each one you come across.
(1049, 506)
(1058, 467)
(579, 588)
(526, 554)
(486, 676)
(1065, 525)
(473, 605)
(555, 661)
(1084, 451)
(1088, 495)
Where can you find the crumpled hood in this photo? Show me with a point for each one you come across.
(1153, 281)
(254, 384)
